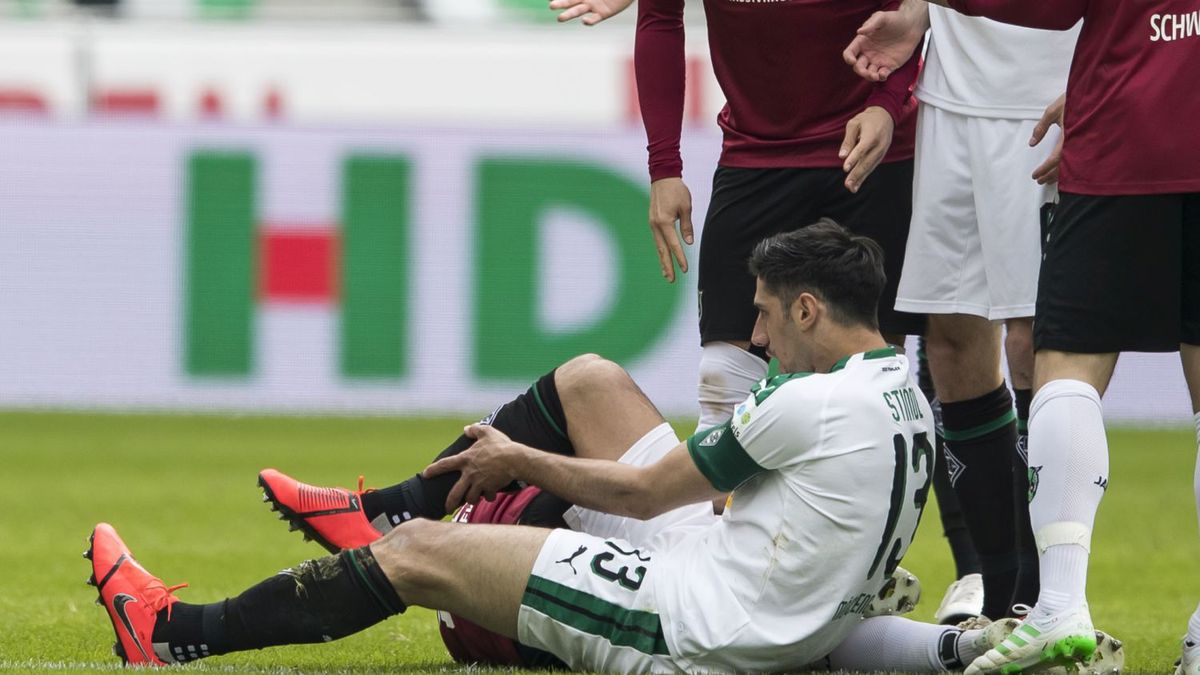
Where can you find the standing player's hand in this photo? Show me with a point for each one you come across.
(868, 137)
(487, 466)
(886, 41)
(1048, 171)
(592, 11)
(670, 202)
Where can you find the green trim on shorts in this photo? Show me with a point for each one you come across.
(981, 430)
(622, 627)
(546, 413)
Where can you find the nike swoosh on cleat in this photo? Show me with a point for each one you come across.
(119, 602)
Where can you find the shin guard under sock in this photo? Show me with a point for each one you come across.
(317, 601)
(535, 418)
(980, 436)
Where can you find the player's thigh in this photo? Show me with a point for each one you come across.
(1111, 276)
(881, 210)
(478, 572)
(943, 264)
(606, 411)
(747, 206)
(590, 602)
(1009, 205)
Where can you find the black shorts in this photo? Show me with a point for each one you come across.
(749, 205)
(1120, 274)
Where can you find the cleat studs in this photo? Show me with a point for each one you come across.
(282, 517)
(99, 601)
(307, 538)
(87, 555)
(266, 498)
(91, 581)
(292, 527)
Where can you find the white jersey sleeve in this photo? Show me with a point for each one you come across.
(764, 434)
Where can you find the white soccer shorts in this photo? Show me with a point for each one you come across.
(974, 246)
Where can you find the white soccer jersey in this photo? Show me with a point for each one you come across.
(829, 473)
(984, 68)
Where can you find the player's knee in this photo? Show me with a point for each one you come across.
(412, 557)
(587, 373)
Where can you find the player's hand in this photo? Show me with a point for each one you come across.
(487, 466)
(1048, 171)
(592, 11)
(670, 202)
(886, 41)
(868, 137)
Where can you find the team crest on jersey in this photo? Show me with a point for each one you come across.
(954, 466)
(1034, 472)
(713, 438)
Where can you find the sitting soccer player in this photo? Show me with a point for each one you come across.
(828, 467)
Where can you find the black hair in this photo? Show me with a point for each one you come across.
(843, 270)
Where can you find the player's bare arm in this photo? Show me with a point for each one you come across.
(1047, 172)
(868, 137)
(887, 40)
(495, 461)
(592, 11)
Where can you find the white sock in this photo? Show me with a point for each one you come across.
(727, 372)
(894, 643)
(1192, 641)
(1068, 458)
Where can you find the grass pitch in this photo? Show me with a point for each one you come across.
(181, 490)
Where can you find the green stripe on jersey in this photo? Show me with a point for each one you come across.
(982, 429)
(721, 458)
(622, 627)
(884, 353)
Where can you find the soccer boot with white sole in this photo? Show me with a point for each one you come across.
(1108, 659)
(963, 600)
(331, 516)
(132, 596)
(1038, 644)
(899, 595)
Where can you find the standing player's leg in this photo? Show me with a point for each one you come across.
(1189, 352)
(980, 430)
(964, 597)
(1111, 281)
(1018, 347)
(567, 411)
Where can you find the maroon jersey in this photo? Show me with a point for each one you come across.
(779, 63)
(1133, 95)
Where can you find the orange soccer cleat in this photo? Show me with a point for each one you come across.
(331, 516)
(132, 596)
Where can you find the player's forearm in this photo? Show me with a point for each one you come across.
(659, 66)
(1048, 15)
(600, 485)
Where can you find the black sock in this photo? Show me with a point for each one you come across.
(954, 527)
(317, 601)
(535, 418)
(980, 434)
(1027, 586)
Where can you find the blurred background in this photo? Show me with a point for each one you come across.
(368, 206)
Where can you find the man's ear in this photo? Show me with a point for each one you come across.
(805, 310)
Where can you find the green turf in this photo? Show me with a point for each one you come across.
(181, 491)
